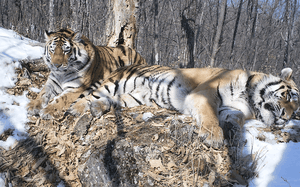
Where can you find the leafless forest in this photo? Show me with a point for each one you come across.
(250, 34)
(260, 35)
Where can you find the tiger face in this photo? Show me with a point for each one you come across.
(275, 99)
(65, 51)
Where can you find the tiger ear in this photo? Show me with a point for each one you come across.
(77, 37)
(47, 35)
(286, 73)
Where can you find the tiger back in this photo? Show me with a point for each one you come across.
(75, 64)
(214, 97)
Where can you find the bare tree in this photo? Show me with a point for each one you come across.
(218, 33)
(236, 27)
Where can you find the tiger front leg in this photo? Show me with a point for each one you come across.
(96, 106)
(231, 121)
(203, 107)
(35, 106)
(100, 106)
(103, 104)
(60, 104)
(79, 107)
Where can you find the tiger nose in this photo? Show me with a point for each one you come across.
(57, 65)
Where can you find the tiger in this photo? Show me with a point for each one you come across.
(214, 97)
(75, 64)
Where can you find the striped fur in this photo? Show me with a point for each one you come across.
(214, 97)
(75, 65)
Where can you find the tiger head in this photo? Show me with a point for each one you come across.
(275, 99)
(65, 50)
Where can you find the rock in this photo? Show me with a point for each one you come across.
(82, 125)
(111, 165)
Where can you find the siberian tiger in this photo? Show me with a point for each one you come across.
(213, 96)
(75, 64)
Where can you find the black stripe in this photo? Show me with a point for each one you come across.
(79, 53)
(116, 86)
(135, 58)
(93, 85)
(78, 77)
(106, 87)
(134, 82)
(107, 48)
(231, 89)
(153, 100)
(144, 80)
(71, 87)
(74, 51)
(65, 30)
(111, 79)
(158, 86)
(262, 91)
(163, 99)
(147, 69)
(248, 81)
(281, 87)
(57, 84)
(219, 95)
(97, 97)
(132, 70)
(129, 56)
(138, 101)
(122, 49)
(121, 62)
(54, 92)
(168, 94)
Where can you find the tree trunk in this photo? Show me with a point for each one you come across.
(236, 27)
(289, 17)
(218, 33)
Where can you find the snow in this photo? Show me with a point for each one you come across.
(14, 116)
(147, 116)
(270, 153)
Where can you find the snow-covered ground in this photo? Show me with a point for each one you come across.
(271, 154)
(14, 47)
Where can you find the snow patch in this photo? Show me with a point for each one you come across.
(13, 113)
(269, 152)
(147, 116)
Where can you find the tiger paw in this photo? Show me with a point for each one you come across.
(34, 107)
(79, 107)
(212, 135)
(50, 111)
(99, 107)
